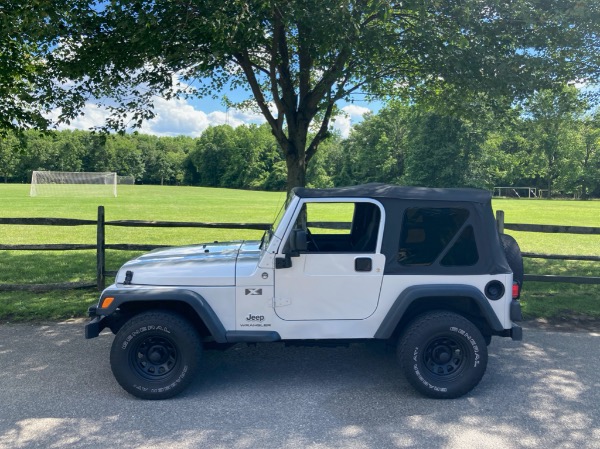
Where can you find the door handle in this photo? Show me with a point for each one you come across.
(363, 264)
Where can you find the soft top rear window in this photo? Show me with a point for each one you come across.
(426, 232)
(464, 251)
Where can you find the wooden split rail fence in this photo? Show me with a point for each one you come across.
(553, 229)
(100, 246)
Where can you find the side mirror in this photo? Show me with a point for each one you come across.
(298, 241)
(283, 262)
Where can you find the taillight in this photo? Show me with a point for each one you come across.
(516, 290)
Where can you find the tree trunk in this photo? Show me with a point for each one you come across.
(295, 156)
(550, 174)
(586, 160)
(296, 172)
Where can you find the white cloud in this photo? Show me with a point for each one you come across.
(172, 118)
(93, 115)
(355, 111)
(175, 117)
(178, 117)
(351, 114)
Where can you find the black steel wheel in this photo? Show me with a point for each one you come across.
(155, 355)
(442, 354)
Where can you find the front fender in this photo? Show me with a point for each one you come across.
(129, 295)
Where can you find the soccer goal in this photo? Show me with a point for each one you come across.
(126, 180)
(69, 184)
(516, 192)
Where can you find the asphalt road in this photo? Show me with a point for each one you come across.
(57, 390)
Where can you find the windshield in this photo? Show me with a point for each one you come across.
(279, 215)
(266, 238)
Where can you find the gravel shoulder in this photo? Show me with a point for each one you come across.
(570, 323)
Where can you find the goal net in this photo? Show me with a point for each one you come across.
(60, 183)
(516, 192)
(126, 180)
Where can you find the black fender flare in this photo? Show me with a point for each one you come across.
(189, 297)
(417, 292)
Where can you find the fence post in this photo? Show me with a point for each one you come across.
(100, 250)
(500, 221)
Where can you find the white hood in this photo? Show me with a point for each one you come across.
(211, 264)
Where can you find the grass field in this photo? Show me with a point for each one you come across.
(551, 301)
(557, 301)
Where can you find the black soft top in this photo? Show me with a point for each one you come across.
(396, 199)
(378, 190)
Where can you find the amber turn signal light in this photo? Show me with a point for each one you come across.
(106, 302)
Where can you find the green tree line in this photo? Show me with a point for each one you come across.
(552, 142)
(246, 157)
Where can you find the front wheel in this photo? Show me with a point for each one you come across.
(155, 355)
(443, 355)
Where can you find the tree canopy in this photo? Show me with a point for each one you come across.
(18, 66)
(298, 58)
(29, 31)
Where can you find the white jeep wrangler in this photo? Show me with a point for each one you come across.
(423, 268)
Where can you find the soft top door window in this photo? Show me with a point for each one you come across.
(341, 227)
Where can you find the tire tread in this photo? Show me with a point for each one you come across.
(425, 321)
(187, 333)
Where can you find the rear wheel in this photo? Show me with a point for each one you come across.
(443, 355)
(155, 355)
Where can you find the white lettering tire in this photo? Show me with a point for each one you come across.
(155, 355)
(443, 355)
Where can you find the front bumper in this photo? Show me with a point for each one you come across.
(94, 327)
(98, 323)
